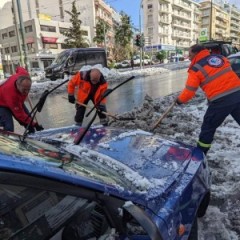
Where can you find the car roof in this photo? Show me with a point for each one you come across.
(234, 55)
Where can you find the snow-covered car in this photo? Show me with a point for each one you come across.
(235, 62)
(37, 74)
(123, 64)
(117, 184)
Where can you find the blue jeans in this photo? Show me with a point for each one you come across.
(6, 119)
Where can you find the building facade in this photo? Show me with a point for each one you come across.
(43, 41)
(44, 23)
(171, 24)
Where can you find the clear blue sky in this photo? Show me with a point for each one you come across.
(130, 7)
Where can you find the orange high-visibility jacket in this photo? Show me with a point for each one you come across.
(82, 81)
(213, 73)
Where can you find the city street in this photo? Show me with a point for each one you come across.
(58, 112)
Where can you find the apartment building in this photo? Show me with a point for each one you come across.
(221, 20)
(44, 22)
(43, 39)
(171, 24)
(216, 20)
(234, 13)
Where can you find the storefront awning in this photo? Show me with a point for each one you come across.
(49, 39)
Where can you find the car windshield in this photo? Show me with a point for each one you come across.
(40, 153)
(62, 57)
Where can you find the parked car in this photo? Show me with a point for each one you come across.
(224, 48)
(72, 60)
(37, 73)
(137, 60)
(123, 64)
(117, 184)
(235, 62)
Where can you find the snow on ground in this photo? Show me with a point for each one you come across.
(222, 220)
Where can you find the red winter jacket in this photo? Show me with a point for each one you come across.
(11, 98)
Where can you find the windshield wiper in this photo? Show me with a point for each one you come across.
(38, 107)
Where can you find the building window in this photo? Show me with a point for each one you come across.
(12, 33)
(149, 6)
(4, 35)
(150, 19)
(28, 29)
(63, 30)
(64, 46)
(48, 28)
(84, 33)
(150, 31)
(14, 49)
(7, 50)
(50, 45)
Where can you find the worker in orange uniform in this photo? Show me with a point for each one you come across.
(90, 85)
(213, 73)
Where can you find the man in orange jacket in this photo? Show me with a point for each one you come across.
(213, 73)
(91, 86)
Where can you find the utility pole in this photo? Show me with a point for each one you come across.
(22, 32)
(140, 28)
(17, 32)
(210, 26)
(105, 40)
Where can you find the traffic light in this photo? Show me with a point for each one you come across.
(138, 40)
(142, 41)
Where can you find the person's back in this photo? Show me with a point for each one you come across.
(221, 85)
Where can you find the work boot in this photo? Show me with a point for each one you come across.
(79, 124)
(104, 121)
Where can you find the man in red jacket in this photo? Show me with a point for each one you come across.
(13, 93)
(91, 85)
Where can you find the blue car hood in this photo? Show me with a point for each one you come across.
(147, 162)
(130, 164)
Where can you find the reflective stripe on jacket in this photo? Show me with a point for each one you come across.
(82, 81)
(213, 73)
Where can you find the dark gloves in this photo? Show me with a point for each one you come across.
(31, 129)
(71, 99)
(38, 127)
(178, 102)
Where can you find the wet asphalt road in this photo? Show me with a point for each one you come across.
(58, 112)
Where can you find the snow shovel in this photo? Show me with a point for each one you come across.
(106, 113)
(163, 116)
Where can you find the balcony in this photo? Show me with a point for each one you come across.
(235, 23)
(235, 29)
(182, 5)
(181, 35)
(164, 21)
(182, 16)
(164, 10)
(221, 25)
(181, 25)
(164, 1)
(164, 32)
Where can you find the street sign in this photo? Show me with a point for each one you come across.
(203, 35)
